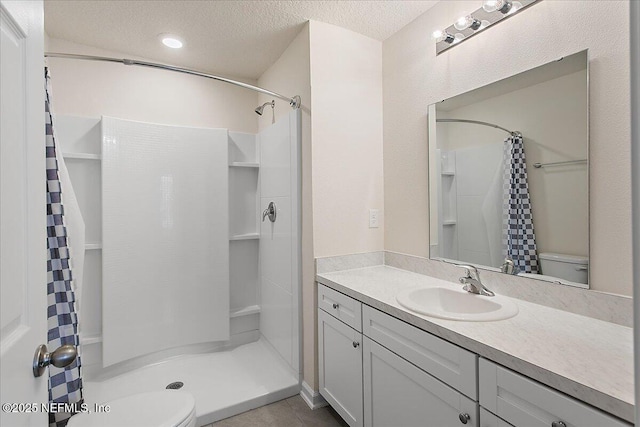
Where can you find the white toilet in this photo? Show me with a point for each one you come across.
(168, 408)
(568, 267)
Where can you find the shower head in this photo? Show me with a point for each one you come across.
(261, 108)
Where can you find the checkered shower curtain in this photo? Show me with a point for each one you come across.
(65, 384)
(518, 239)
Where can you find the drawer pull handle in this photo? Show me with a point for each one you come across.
(356, 344)
(464, 418)
(558, 424)
(335, 306)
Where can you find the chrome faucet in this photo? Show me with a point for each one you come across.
(473, 284)
(509, 267)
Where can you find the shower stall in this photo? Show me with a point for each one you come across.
(186, 284)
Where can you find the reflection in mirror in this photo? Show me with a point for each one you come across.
(509, 177)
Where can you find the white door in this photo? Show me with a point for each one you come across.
(399, 394)
(23, 263)
(340, 366)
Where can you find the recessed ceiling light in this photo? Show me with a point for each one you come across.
(171, 41)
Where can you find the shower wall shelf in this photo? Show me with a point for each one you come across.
(246, 311)
(449, 222)
(92, 246)
(244, 165)
(446, 173)
(247, 236)
(81, 156)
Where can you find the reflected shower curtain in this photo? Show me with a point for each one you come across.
(65, 384)
(519, 240)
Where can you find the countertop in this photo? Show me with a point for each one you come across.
(585, 358)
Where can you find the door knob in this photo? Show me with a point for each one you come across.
(60, 357)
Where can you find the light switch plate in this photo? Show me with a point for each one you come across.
(373, 218)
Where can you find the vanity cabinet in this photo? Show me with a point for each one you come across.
(379, 371)
(523, 402)
(340, 355)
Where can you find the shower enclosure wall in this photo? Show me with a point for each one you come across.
(244, 325)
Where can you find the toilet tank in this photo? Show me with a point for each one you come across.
(568, 267)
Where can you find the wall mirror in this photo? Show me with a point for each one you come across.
(509, 174)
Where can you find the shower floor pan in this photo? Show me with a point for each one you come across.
(223, 384)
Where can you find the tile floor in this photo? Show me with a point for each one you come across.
(291, 412)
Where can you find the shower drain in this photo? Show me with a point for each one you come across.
(175, 385)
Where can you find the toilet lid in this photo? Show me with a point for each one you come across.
(168, 408)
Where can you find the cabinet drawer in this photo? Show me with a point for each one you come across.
(340, 306)
(449, 363)
(524, 402)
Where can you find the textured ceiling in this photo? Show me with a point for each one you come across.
(238, 38)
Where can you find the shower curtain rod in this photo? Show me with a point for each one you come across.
(293, 102)
(477, 122)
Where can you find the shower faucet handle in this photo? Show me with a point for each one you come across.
(270, 212)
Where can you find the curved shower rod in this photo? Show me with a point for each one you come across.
(477, 122)
(293, 102)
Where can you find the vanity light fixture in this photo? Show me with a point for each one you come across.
(491, 12)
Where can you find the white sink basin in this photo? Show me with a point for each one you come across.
(456, 304)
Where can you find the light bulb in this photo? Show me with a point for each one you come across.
(504, 6)
(483, 24)
(171, 42)
(467, 21)
(490, 5)
(463, 23)
(442, 36)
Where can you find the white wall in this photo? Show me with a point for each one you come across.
(414, 78)
(280, 240)
(164, 259)
(337, 73)
(93, 89)
(346, 82)
(290, 76)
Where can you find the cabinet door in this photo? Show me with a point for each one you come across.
(398, 394)
(487, 419)
(340, 364)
